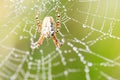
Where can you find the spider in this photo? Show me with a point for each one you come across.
(48, 29)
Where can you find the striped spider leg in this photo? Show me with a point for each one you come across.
(57, 25)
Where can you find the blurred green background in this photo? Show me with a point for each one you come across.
(90, 28)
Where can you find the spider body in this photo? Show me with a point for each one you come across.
(48, 29)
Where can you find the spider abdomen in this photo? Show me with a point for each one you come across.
(47, 26)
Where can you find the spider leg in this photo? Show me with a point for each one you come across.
(39, 25)
(58, 19)
(55, 40)
(40, 41)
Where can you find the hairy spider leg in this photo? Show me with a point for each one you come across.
(40, 41)
(55, 40)
(39, 25)
(58, 19)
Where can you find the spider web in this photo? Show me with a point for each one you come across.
(90, 29)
